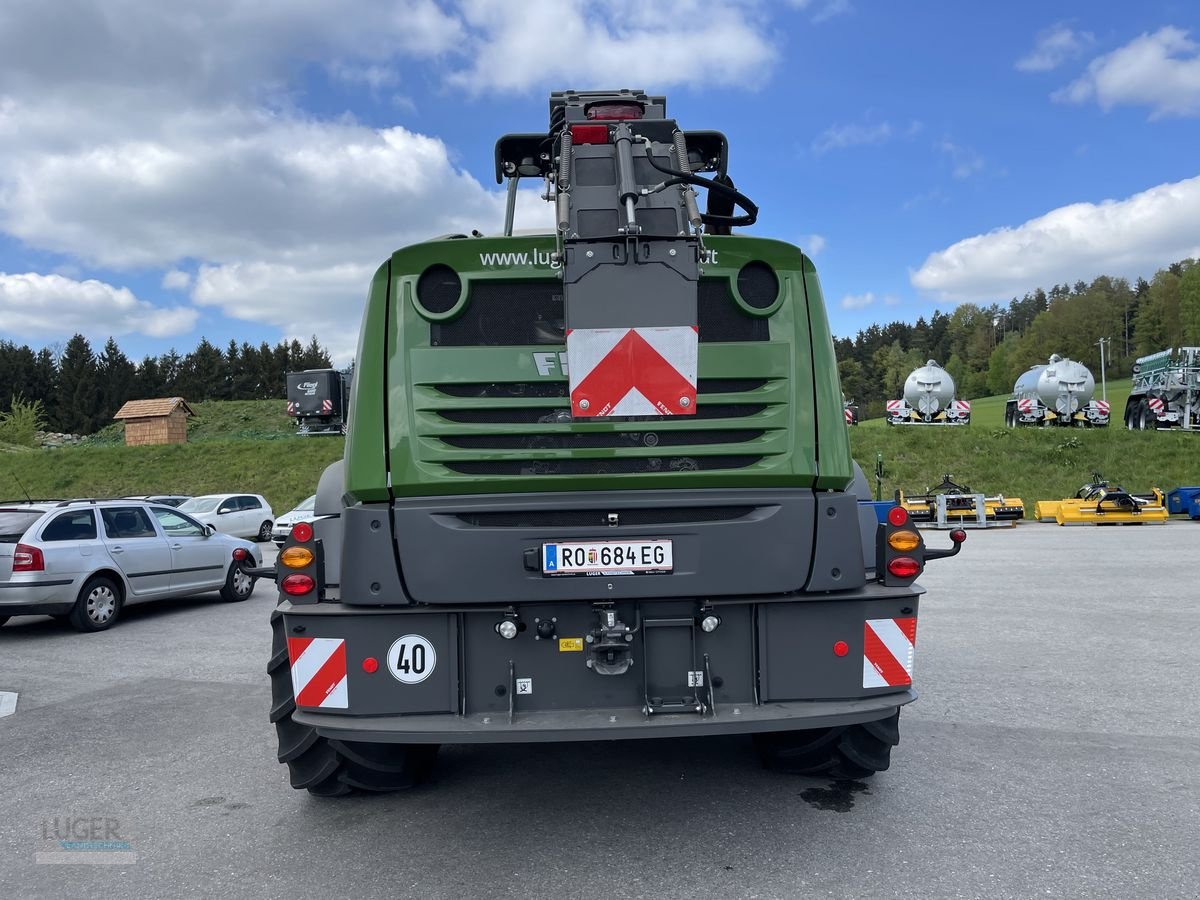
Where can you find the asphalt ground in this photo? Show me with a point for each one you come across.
(1053, 753)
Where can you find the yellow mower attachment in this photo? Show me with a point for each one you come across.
(952, 505)
(1101, 503)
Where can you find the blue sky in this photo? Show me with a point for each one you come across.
(238, 172)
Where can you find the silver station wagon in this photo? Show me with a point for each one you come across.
(84, 560)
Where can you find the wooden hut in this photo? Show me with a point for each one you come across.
(162, 421)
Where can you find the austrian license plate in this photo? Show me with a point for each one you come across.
(607, 558)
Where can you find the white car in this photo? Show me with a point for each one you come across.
(242, 515)
(304, 512)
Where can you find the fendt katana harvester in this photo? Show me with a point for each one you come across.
(597, 485)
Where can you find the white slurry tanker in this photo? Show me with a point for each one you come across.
(1060, 392)
(929, 400)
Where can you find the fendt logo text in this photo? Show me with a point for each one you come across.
(551, 363)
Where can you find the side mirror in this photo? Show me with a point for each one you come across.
(223, 511)
(210, 530)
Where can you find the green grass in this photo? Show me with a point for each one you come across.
(1030, 463)
(240, 445)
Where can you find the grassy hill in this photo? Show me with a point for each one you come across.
(1030, 463)
(246, 445)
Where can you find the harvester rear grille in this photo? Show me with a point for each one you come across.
(593, 440)
(523, 313)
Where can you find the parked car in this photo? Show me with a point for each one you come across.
(84, 560)
(162, 499)
(242, 515)
(304, 512)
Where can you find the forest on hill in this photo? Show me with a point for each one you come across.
(77, 390)
(985, 348)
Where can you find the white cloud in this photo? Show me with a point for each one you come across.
(858, 301)
(813, 244)
(964, 162)
(177, 280)
(39, 306)
(1053, 47)
(1159, 70)
(1079, 241)
(839, 137)
(627, 42)
(824, 10)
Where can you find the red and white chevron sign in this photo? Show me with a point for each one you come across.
(291, 408)
(894, 406)
(849, 417)
(319, 672)
(326, 406)
(1102, 406)
(633, 371)
(1025, 406)
(1156, 405)
(963, 406)
(888, 647)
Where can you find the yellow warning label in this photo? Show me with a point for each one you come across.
(568, 644)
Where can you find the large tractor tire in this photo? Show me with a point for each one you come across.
(1147, 421)
(845, 753)
(328, 768)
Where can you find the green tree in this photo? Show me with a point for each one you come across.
(78, 401)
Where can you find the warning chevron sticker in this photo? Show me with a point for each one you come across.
(888, 648)
(319, 672)
(633, 371)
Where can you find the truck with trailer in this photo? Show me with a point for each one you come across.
(1165, 392)
(318, 399)
(1061, 392)
(928, 400)
(597, 486)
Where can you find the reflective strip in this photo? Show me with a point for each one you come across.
(888, 650)
(319, 672)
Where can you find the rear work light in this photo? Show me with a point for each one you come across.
(615, 112)
(904, 541)
(28, 559)
(297, 585)
(303, 532)
(296, 557)
(904, 567)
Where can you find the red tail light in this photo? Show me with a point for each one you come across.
(589, 134)
(28, 559)
(898, 516)
(904, 567)
(302, 532)
(297, 585)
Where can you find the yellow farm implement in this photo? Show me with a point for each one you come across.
(951, 505)
(1101, 503)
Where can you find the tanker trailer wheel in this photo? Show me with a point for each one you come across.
(1145, 422)
(844, 753)
(329, 768)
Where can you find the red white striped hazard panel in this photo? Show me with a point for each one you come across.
(888, 646)
(1156, 405)
(849, 417)
(893, 406)
(326, 406)
(962, 405)
(633, 371)
(1102, 406)
(291, 408)
(1025, 406)
(319, 672)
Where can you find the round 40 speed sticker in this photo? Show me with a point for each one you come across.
(411, 659)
